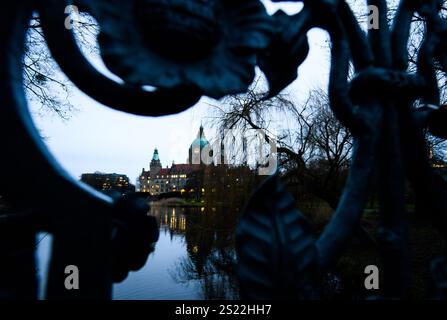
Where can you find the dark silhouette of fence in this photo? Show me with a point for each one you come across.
(189, 49)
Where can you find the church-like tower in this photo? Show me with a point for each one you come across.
(155, 165)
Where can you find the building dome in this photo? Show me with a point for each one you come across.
(200, 142)
(196, 148)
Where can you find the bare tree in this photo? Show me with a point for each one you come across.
(313, 147)
(44, 83)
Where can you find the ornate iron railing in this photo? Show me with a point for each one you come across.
(189, 49)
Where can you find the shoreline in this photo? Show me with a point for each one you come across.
(174, 202)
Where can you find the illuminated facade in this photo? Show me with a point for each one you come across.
(177, 178)
(108, 182)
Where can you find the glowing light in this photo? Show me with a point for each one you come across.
(182, 223)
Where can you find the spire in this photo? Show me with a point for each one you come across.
(155, 156)
(201, 133)
(222, 151)
(155, 165)
(199, 144)
(244, 151)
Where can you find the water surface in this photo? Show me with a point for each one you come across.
(193, 258)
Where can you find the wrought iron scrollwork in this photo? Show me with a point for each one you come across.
(189, 49)
(377, 106)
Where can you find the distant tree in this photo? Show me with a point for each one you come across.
(43, 82)
(229, 186)
(313, 150)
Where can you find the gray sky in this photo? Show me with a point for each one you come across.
(97, 138)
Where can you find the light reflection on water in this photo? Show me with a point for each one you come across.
(193, 258)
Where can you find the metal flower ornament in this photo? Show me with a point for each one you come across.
(186, 49)
(211, 45)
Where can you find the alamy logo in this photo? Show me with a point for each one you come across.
(373, 17)
(265, 155)
(73, 13)
(72, 280)
(372, 280)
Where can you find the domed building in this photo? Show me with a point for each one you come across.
(178, 177)
(200, 151)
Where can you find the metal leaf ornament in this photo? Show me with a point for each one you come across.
(133, 237)
(208, 44)
(288, 49)
(277, 257)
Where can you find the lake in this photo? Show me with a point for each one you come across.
(193, 258)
